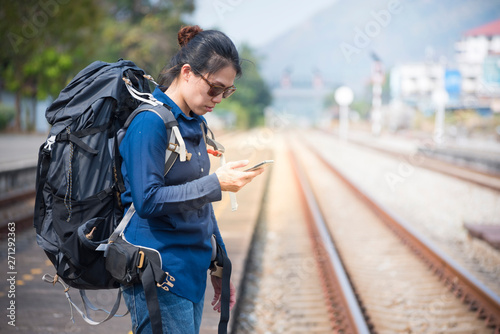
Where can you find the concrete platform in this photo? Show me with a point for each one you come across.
(19, 150)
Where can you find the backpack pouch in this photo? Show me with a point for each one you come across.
(88, 226)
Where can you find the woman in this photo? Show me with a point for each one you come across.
(174, 212)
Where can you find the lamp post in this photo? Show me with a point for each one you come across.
(344, 96)
(440, 98)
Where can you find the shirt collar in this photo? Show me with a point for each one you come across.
(162, 97)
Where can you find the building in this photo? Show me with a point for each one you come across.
(414, 83)
(473, 83)
(478, 60)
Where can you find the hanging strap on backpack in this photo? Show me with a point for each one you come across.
(86, 302)
(218, 151)
(220, 260)
(225, 293)
(221, 267)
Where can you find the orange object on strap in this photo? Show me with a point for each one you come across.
(214, 153)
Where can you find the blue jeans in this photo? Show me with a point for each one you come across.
(178, 315)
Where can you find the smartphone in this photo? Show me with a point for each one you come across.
(259, 165)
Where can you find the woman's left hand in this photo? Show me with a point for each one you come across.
(216, 302)
(233, 180)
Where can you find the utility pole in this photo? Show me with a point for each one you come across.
(440, 98)
(377, 81)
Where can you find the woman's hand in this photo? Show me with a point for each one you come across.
(233, 180)
(216, 302)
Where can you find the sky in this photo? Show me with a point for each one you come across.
(256, 22)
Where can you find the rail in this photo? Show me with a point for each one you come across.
(17, 189)
(464, 286)
(349, 317)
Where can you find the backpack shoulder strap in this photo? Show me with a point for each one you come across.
(175, 145)
(162, 110)
(209, 138)
(175, 142)
(218, 151)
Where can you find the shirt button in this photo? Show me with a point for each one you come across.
(202, 170)
(199, 153)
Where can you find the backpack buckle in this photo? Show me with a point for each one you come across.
(166, 284)
(216, 270)
(173, 147)
(141, 260)
(177, 149)
(48, 144)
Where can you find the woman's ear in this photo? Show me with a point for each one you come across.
(186, 72)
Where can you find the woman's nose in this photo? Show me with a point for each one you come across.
(217, 98)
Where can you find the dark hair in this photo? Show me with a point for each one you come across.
(206, 51)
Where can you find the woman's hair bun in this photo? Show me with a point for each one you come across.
(187, 33)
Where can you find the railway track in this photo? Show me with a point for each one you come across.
(445, 209)
(359, 270)
(422, 158)
(406, 284)
(292, 283)
(16, 206)
(346, 306)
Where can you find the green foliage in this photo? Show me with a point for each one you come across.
(45, 43)
(48, 29)
(149, 43)
(473, 122)
(7, 114)
(44, 75)
(252, 95)
(144, 32)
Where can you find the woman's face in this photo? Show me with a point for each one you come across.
(196, 95)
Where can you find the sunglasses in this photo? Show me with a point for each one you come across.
(216, 90)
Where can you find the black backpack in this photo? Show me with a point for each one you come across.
(79, 181)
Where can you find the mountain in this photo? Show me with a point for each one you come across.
(339, 41)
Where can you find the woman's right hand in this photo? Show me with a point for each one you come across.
(233, 180)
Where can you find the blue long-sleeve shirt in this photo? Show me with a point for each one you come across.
(174, 212)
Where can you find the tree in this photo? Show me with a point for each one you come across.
(252, 95)
(42, 41)
(46, 42)
(142, 31)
